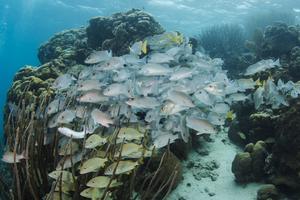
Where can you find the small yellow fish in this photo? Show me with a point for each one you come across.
(94, 141)
(123, 167)
(102, 182)
(259, 83)
(176, 38)
(144, 47)
(92, 165)
(66, 176)
(230, 115)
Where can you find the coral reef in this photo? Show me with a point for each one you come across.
(286, 151)
(117, 32)
(268, 191)
(249, 165)
(67, 44)
(279, 39)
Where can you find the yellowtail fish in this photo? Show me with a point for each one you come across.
(92, 193)
(139, 48)
(123, 167)
(92, 165)
(129, 134)
(94, 141)
(66, 176)
(102, 182)
(129, 148)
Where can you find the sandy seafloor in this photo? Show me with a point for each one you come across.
(221, 151)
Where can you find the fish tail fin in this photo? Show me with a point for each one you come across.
(277, 63)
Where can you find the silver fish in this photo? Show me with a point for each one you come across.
(66, 117)
(245, 84)
(153, 69)
(63, 82)
(89, 85)
(144, 102)
(221, 108)
(181, 73)
(98, 56)
(180, 98)
(71, 133)
(113, 63)
(55, 106)
(261, 66)
(163, 139)
(101, 118)
(160, 58)
(121, 75)
(92, 96)
(216, 119)
(258, 97)
(200, 125)
(203, 97)
(117, 89)
(171, 108)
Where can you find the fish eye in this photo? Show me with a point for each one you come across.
(125, 65)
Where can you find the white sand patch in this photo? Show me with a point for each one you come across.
(224, 188)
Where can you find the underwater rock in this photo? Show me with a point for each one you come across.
(279, 39)
(268, 192)
(63, 44)
(119, 31)
(241, 167)
(258, 155)
(286, 150)
(249, 165)
(294, 64)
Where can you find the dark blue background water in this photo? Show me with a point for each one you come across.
(25, 24)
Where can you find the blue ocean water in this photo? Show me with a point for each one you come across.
(25, 24)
